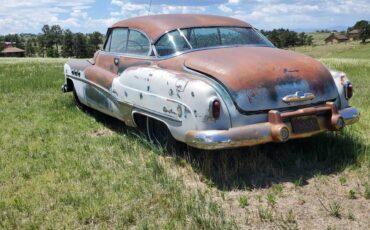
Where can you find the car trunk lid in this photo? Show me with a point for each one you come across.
(261, 78)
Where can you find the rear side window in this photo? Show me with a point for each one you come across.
(203, 37)
(137, 43)
(171, 43)
(118, 40)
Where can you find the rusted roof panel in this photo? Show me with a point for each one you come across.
(12, 50)
(156, 25)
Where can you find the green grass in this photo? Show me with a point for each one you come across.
(64, 168)
(318, 37)
(55, 173)
(353, 50)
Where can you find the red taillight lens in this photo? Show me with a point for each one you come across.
(216, 109)
(349, 90)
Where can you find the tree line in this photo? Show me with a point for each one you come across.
(284, 38)
(53, 41)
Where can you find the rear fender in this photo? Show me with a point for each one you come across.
(180, 100)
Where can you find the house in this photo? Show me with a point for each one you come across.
(336, 38)
(11, 51)
(354, 35)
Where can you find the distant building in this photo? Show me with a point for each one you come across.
(336, 38)
(11, 51)
(354, 35)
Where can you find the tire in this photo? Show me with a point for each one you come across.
(160, 135)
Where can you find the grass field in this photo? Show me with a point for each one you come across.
(64, 168)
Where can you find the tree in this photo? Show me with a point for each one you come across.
(56, 35)
(52, 38)
(30, 49)
(360, 25)
(67, 44)
(364, 27)
(41, 45)
(365, 33)
(285, 38)
(79, 45)
(2, 40)
(95, 39)
(47, 37)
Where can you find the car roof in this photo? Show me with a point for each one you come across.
(157, 25)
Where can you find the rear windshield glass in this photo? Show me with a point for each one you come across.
(198, 38)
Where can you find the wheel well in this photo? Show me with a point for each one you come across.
(140, 121)
(70, 84)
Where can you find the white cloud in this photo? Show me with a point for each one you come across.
(224, 8)
(234, 1)
(129, 9)
(30, 15)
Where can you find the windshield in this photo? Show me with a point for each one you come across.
(197, 38)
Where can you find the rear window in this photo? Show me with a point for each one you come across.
(199, 38)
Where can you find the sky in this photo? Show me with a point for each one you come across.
(28, 16)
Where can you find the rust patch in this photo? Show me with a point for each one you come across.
(100, 76)
(254, 67)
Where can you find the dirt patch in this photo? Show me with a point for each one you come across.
(102, 132)
(325, 202)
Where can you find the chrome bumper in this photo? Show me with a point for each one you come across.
(277, 129)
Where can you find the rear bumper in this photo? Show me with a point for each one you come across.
(277, 129)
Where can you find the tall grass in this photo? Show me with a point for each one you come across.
(56, 172)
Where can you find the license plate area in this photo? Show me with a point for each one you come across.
(304, 124)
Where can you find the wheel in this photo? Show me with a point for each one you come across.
(159, 134)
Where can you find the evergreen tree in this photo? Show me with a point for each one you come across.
(95, 39)
(79, 45)
(56, 36)
(30, 49)
(41, 45)
(67, 44)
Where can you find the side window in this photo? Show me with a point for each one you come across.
(171, 43)
(137, 43)
(118, 41)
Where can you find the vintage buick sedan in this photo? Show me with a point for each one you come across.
(208, 81)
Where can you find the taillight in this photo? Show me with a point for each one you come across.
(216, 109)
(348, 90)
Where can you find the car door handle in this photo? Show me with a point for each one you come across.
(116, 60)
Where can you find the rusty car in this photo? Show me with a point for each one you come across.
(211, 82)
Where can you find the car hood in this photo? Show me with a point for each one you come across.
(262, 78)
